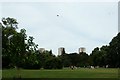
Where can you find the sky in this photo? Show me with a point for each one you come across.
(79, 24)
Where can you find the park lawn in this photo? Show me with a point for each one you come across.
(62, 73)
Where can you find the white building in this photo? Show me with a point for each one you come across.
(60, 50)
(81, 49)
(41, 50)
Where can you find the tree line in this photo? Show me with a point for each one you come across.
(20, 51)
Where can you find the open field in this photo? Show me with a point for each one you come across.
(62, 73)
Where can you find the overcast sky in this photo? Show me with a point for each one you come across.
(79, 24)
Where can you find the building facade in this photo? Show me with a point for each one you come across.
(41, 50)
(61, 50)
(81, 49)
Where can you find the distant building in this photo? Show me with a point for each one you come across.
(81, 49)
(61, 50)
(41, 50)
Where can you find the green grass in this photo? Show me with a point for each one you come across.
(62, 73)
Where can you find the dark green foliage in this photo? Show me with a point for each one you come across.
(66, 61)
(74, 59)
(114, 52)
(7, 43)
(43, 57)
(53, 63)
(99, 56)
(83, 59)
(31, 62)
(14, 48)
(20, 52)
(107, 55)
(94, 57)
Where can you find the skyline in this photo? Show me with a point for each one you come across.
(78, 25)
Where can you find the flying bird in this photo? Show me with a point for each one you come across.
(57, 15)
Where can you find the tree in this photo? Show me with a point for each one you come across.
(43, 57)
(53, 63)
(74, 58)
(14, 46)
(103, 56)
(32, 62)
(114, 52)
(94, 57)
(66, 61)
(83, 59)
(31, 46)
(9, 26)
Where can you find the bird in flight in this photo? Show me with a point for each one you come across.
(57, 15)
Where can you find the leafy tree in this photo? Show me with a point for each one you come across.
(83, 59)
(32, 62)
(114, 52)
(53, 63)
(19, 51)
(9, 26)
(31, 46)
(95, 57)
(74, 58)
(66, 61)
(103, 56)
(14, 46)
(46, 55)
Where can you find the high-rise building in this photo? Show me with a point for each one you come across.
(41, 50)
(61, 50)
(81, 49)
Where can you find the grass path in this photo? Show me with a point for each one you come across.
(63, 73)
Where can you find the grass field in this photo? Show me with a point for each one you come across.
(62, 73)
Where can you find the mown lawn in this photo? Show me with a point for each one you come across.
(62, 73)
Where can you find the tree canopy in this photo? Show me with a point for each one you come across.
(20, 50)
